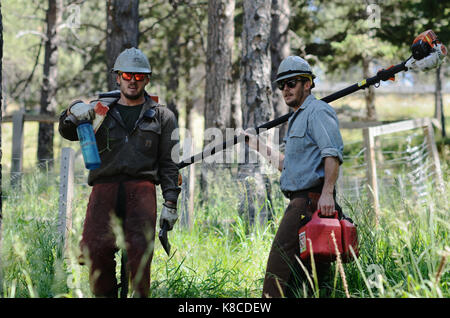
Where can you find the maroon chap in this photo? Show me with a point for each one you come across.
(133, 203)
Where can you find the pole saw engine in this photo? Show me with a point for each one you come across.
(427, 52)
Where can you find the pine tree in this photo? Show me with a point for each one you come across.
(48, 103)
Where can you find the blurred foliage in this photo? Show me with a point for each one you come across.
(334, 36)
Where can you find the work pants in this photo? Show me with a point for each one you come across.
(284, 276)
(133, 203)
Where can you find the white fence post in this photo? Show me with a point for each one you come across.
(17, 149)
(369, 142)
(187, 196)
(432, 149)
(66, 194)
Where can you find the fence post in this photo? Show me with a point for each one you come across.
(17, 149)
(191, 195)
(369, 142)
(432, 149)
(66, 195)
(187, 188)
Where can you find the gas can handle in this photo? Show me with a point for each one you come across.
(317, 214)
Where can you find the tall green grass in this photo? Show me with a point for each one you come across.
(222, 255)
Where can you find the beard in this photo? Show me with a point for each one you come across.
(138, 94)
(295, 102)
(135, 96)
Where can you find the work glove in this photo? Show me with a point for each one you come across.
(168, 214)
(81, 111)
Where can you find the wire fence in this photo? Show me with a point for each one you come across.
(403, 165)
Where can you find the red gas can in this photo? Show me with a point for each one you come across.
(318, 230)
(349, 238)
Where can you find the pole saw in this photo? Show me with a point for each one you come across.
(427, 53)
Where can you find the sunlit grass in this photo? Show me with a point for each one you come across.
(227, 259)
(222, 256)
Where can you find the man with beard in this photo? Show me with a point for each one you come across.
(135, 144)
(309, 170)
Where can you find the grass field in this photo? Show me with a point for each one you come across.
(222, 256)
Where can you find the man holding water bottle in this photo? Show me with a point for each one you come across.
(135, 146)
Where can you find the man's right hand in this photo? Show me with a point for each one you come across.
(82, 111)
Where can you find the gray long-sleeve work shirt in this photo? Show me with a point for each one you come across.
(313, 134)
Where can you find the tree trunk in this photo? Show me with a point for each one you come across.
(279, 49)
(49, 83)
(369, 93)
(174, 53)
(122, 22)
(219, 64)
(236, 110)
(438, 102)
(218, 85)
(256, 102)
(256, 64)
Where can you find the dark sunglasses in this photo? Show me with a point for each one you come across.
(137, 76)
(290, 83)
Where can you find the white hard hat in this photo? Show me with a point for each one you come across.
(293, 66)
(132, 60)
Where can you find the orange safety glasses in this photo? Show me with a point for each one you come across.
(137, 76)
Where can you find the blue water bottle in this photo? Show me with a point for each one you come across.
(88, 145)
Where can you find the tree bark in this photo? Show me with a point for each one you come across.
(256, 64)
(279, 49)
(218, 85)
(236, 110)
(174, 53)
(438, 102)
(122, 22)
(49, 83)
(219, 64)
(256, 102)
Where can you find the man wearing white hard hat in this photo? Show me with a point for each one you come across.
(135, 144)
(309, 170)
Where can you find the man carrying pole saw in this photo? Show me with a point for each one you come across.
(309, 168)
(313, 154)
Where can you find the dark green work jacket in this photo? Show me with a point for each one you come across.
(145, 153)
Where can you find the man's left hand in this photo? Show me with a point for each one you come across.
(326, 204)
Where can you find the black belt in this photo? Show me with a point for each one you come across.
(303, 193)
